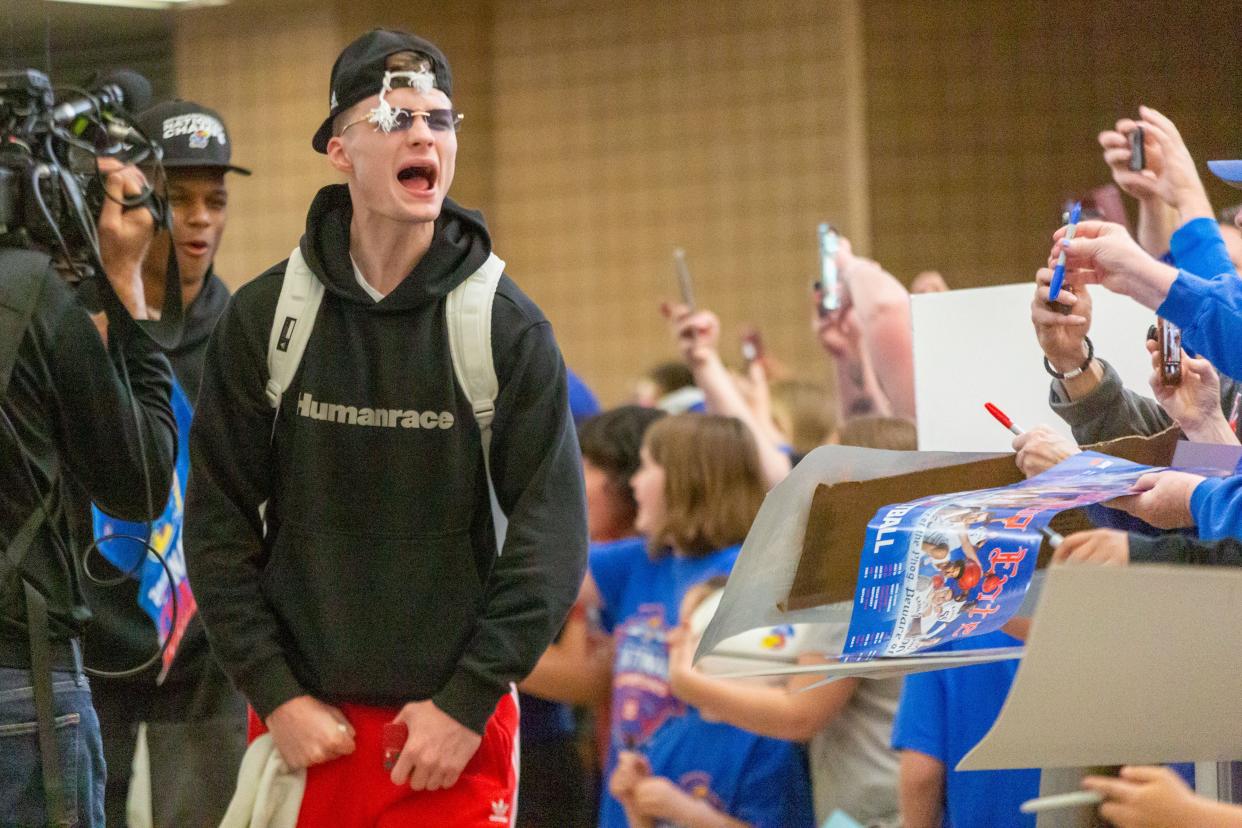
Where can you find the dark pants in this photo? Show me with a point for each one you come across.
(193, 760)
(77, 741)
(552, 790)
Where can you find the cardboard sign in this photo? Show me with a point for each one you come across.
(1124, 665)
(827, 569)
(799, 564)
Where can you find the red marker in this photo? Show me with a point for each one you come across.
(1002, 418)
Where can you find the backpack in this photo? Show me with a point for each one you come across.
(468, 314)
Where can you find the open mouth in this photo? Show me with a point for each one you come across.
(197, 248)
(417, 177)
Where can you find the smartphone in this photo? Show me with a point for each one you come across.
(829, 277)
(1170, 338)
(752, 346)
(1137, 159)
(683, 277)
(393, 738)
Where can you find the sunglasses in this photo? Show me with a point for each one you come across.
(439, 120)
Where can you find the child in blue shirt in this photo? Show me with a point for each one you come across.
(941, 717)
(698, 489)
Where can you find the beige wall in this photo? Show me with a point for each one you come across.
(598, 137)
(982, 117)
(624, 130)
(264, 66)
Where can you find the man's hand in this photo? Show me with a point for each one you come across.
(308, 732)
(837, 333)
(124, 234)
(1062, 336)
(1168, 174)
(1149, 797)
(1145, 184)
(696, 333)
(1162, 499)
(1178, 183)
(436, 750)
(681, 646)
(1040, 449)
(659, 798)
(631, 769)
(1102, 547)
(1194, 403)
(1103, 253)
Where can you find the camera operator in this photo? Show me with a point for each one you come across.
(80, 420)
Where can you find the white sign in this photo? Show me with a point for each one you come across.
(977, 346)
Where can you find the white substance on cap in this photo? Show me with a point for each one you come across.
(384, 115)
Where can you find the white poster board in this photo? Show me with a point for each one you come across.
(978, 345)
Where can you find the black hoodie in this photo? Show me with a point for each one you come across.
(70, 405)
(122, 634)
(377, 580)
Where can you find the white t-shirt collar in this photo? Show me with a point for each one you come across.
(366, 286)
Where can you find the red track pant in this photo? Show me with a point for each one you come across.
(355, 791)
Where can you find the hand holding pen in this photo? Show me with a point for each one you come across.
(1058, 272)
(1103, 253)
(1039, 449)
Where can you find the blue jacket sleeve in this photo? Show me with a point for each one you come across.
(1217, 507)
(1199, 248)
(1209, 312)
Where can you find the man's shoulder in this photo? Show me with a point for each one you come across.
(23, 273)
(514, 308)
(261, 292)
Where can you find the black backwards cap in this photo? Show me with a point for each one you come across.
(359, 73)
(190, 134)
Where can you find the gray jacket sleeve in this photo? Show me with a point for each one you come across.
(1179, 549)
(1112, 410)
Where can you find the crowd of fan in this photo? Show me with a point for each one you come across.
(675, 479)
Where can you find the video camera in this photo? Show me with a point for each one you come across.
(50, 189)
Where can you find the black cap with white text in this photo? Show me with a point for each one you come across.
(191, 135)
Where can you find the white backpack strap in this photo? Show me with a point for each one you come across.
(468, 314)
(300, 296)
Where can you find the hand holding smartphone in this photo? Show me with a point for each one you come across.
(830, 292)
(683, 277)
(393, 738)
(1169, 337)
(752, 346)
(1138, 159)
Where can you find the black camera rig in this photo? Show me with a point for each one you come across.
(51, 191)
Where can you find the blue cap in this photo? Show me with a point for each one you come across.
(1230, 171)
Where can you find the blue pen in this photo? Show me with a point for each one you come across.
(1058, 275)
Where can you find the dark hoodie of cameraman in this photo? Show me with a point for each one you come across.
(82, 420)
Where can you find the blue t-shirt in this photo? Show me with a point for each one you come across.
(753, 778)
(944, 714)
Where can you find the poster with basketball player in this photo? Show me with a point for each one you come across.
(957, 565)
